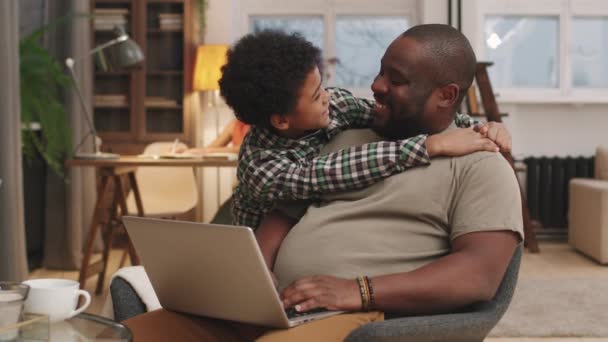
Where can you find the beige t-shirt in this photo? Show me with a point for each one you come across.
(402, 222)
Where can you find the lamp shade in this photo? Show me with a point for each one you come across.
(207, 70)
(128, 52)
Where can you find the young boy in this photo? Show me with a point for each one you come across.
(272, 82)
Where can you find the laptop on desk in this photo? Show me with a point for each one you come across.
(211, 270)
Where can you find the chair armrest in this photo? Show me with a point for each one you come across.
(125, 300)
(468, 327)
(588, 217)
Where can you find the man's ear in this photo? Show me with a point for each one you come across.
(279, 121)
(448, 95)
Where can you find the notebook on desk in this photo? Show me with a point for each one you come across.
(206, 156)
(211, 270)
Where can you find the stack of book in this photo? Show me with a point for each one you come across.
(160, 102)
(111, 100)
(170, 21)
(108, 18)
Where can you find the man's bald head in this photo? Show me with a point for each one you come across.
(448, 53)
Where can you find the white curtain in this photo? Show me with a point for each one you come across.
(13, 262)
(70, 206)
(82, 189)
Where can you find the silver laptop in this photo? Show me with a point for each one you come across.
(211, 270)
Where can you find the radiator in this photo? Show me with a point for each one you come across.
(547, 182)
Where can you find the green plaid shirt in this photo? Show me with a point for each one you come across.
(273, 168)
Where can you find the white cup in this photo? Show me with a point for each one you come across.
(56, 298)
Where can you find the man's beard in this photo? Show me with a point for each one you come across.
(406, 124)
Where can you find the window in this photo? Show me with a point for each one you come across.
(507, 36)
(360, 44)
(588, 52)
(353, 34)
(310, 27)
(546, 51)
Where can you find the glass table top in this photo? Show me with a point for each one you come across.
(83, 327)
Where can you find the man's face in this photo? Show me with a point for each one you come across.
(404, 93)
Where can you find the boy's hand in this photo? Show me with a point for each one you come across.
(497, 132)
(458, 142)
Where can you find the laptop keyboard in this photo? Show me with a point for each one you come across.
(292, 313)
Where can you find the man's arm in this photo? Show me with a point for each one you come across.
(471, 273)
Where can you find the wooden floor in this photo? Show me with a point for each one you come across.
(556, 260)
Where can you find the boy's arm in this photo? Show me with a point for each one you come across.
(272, 175)
(270, 235)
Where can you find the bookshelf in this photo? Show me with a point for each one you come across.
(149, 103)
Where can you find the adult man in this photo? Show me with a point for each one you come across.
(431, 240)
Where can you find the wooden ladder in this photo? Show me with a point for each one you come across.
(490, 108)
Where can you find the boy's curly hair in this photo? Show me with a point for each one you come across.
(264, 74)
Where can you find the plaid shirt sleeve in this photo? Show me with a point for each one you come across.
(349, 111)
(247, 211)
(465, 121)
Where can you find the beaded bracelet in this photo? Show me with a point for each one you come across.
(364, 293)
(372, 302)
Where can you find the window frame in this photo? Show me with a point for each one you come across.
(565, 11)
(329, 10)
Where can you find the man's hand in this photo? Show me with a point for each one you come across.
(322, 292)
(458, 142)
(497, 132)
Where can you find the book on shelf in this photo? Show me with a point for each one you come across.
(170, 21)
(170, 15)
(108, 18)
(110, 11)
(110, 100)
(159, 101)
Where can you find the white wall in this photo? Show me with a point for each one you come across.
(557, 129)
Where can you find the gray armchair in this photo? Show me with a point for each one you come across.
(472, 325)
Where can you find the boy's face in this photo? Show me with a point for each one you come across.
(312, 106)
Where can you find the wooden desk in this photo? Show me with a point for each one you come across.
(109, 172)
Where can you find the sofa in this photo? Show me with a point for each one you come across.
(588, 211)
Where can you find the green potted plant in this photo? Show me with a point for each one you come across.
(46, 135)
(46, 129)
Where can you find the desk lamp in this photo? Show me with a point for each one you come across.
(128, 54)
